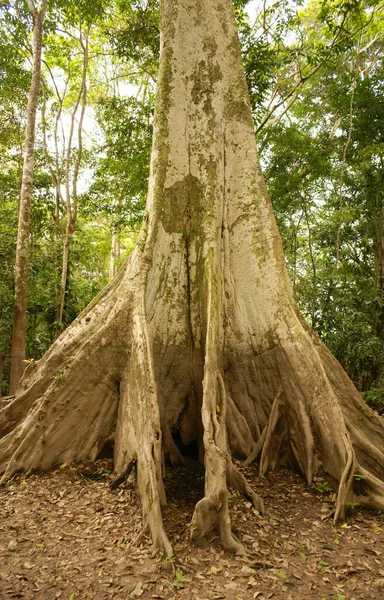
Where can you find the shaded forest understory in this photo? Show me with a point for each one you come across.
(65, 533)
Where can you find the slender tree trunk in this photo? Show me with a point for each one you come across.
(71, 195)
(20, 309)
(198, 335)
(55, 169)
(64, 275)
(115, 253)
(313, 264)
(2, 360)
(375, 375)
(380, 267)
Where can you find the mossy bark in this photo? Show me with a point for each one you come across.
(198, 337)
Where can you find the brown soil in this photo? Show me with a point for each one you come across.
(65, 535)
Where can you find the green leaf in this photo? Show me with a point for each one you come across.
(281, 574)
(179, 576)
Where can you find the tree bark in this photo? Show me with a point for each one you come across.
(198, 334)
(2, 360)
(20, 308)
(115, 253)
(71, 196)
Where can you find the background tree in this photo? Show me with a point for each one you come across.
(20, 304)
(15, 82)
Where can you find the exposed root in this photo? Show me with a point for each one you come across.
(291, 427)
(57, 429)
(256, 449)
(346, 481)
(227, 537)
(123, 476)
(372, 493)
(204, 518)
(138, 431)
(144, 531)
(270, 451)
(238, 482)
(240, 439)
(212, 511)
(302, 450)
(152, 497)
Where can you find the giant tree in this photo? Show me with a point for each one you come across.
(198, 335)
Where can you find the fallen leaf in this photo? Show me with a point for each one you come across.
(231, 586)
(281, 574)
(137, 590)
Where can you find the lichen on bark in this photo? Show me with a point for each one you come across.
(198, 338)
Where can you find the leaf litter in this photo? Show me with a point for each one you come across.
(65, 534)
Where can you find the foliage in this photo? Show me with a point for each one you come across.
(316, 80)
(137, 36)
(121, 177)
(324, 169)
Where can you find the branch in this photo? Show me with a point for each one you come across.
(292, 92)
(54, 174)
(32, 7)
(80, 126)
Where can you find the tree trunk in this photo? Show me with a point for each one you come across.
(198, 334)
(64, 275)
(115, 253)
(71, 196)
(20, 308)
(2, 360)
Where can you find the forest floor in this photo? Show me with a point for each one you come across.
(65, 535)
